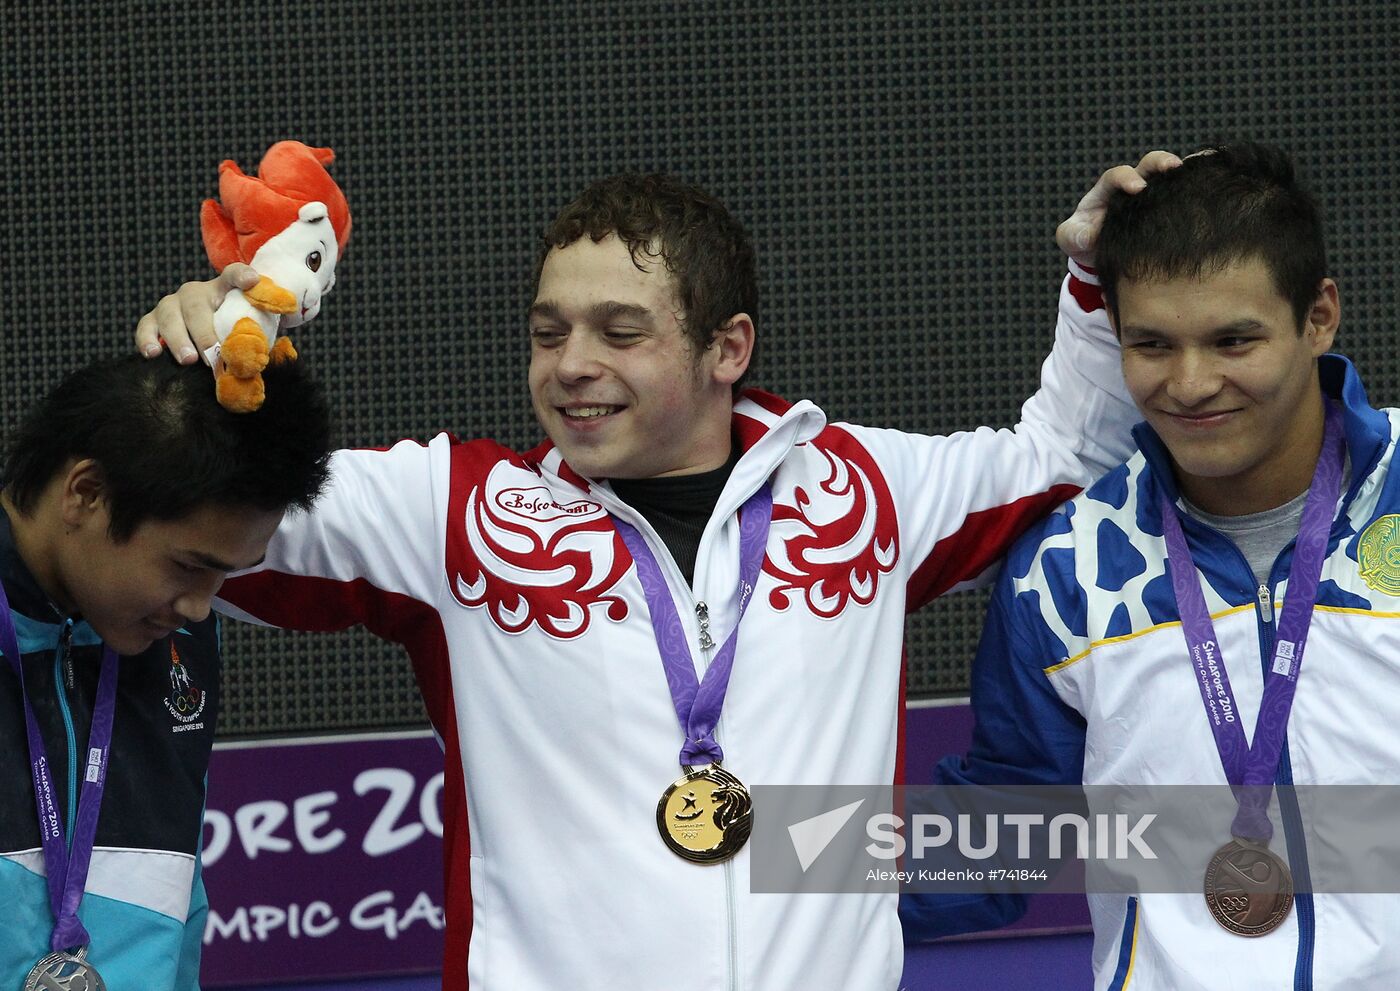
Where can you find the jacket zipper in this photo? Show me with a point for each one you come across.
(733, 925)
(1294, 841)
(707, 646)
(702, 615)
(706, 643)
(63, 681)
(1302, 876)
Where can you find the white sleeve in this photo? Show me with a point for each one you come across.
(962, 499)
(1082, 403)
(376, 532)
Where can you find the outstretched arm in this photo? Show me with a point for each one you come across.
(1082, 398)
(963, 498)
(369, 552)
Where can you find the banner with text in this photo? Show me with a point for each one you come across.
(323, 859)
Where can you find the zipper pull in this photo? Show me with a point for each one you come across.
(1266, 609)
(702, 613)
(65, 644)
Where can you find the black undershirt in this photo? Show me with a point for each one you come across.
(678, 507)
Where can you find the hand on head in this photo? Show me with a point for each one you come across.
(1079, 233)
(183, 321)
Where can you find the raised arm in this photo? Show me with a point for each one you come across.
(963, 498)
(1082, 402)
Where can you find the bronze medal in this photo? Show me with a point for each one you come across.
(706, 816)
(1248, 889)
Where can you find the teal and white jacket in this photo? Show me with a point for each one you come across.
(144, 905)
(1082, 674)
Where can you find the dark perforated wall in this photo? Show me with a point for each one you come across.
(901, 165)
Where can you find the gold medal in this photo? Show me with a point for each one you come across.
(706, 816)
(1248, 890)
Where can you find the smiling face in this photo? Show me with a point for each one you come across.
(135, 592)
(1219, 370)
(616, 384)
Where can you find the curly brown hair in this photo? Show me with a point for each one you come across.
(707, 252)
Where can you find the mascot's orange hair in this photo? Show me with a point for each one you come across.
(292, 223)
(250, 210)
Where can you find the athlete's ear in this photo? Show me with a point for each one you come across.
(83, 494)
(1323, 319)
(733, 345)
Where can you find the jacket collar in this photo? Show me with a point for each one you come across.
(1367, 429)
(766, 428)
(38, 622)
(21, 587)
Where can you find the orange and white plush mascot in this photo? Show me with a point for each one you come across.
(291, 223)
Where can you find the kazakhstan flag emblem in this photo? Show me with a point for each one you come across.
(1379, 555)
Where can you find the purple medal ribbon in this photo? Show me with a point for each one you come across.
(67, 869)
(698, 703)
(1251, 769)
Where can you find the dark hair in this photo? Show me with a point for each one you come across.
(703, 247)
(1234, 203)
(166, 446)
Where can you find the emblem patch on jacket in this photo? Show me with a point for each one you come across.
(1379, 555)
(532, 559)
(831, 542)
(186, 700)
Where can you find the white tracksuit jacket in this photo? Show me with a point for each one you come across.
(1083, 670)
(504, 577)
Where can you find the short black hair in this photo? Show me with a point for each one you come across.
(703, 247)
(1236, 202)
(166, 446)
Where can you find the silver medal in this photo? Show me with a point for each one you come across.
(64, 972)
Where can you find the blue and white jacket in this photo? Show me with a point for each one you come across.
(1082, 674)
(144, 905)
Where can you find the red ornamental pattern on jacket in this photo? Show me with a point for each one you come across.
(835, 539)
(533, 557)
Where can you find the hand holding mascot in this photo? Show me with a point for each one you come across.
(291, 224)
